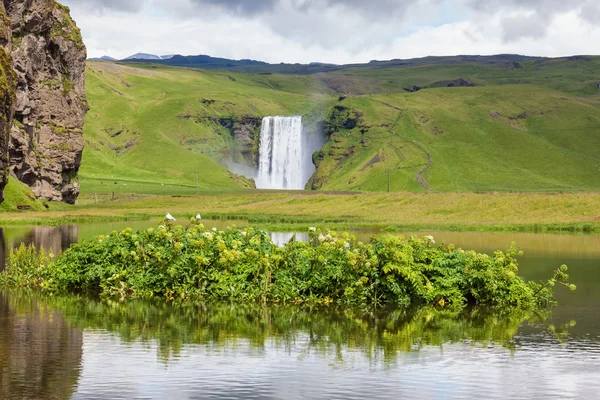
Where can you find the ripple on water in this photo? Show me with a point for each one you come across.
(541, 367)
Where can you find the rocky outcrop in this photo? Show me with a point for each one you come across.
(48, 59)
(460, 82)
(342, 118)
(7, 96)
(245, 131)
(413, 89)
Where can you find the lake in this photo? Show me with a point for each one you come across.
(72, 347)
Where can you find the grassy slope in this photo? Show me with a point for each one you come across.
(579, 77)
(555, 147)
(17, 194)
(155, 146)
(495, 138)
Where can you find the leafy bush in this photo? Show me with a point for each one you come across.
(26, 267)
(244, 265)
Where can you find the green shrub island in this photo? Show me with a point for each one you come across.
(192, 263)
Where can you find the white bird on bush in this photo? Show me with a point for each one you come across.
(198, 217)
(169, 217)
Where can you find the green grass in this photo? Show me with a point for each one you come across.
(497, 138)
(17, 196)
(578, 77)
(527, 212)
(476, 139)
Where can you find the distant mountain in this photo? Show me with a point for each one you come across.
(498, 59)
(253, 66)
(202, 61)
(143, 56)
(322, 63)
(138, 57)
(103, 58)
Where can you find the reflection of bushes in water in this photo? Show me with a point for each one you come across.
(379, 334)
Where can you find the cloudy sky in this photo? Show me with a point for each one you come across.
(337, 31)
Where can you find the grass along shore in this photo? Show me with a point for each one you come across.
(531, 212)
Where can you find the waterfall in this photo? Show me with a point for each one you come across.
(282, 157)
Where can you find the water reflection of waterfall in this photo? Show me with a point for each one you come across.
(285, 153)
(281, 238)
(56, 239)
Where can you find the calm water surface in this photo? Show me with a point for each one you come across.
(79, 348)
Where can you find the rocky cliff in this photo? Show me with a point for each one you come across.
(7, 96)
(48, 65)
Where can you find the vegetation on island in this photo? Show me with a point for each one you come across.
(192, 263)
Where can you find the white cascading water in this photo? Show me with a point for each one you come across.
(281, 154)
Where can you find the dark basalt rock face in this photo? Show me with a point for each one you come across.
(342, 118)
(460, 82)
(413, 89)
(245, 131)
(48, 61)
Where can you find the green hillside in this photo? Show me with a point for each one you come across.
(531, 128)
(144, 126)
(575, 75)
(476, 139)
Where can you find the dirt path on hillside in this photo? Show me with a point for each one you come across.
(387, 104)
(421, 175)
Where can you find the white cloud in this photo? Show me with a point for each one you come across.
(337, 31)
(529, 25)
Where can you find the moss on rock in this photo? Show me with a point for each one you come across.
(65, 27)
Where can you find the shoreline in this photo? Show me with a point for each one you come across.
(492, 212)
